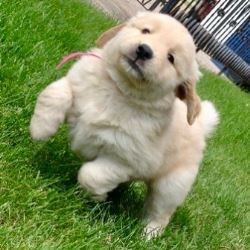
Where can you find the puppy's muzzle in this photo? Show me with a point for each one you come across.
(144, 52)
(141, 54)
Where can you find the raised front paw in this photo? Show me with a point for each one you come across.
(40, 130)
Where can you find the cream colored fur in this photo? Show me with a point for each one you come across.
(129, 124)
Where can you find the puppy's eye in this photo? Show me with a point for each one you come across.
(171, 58)
(145, 31)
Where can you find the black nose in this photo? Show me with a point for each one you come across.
(144, 52)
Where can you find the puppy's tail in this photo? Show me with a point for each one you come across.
(51, 108)
(209, 118)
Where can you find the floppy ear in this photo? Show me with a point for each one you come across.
(187, 92)
(108, 35)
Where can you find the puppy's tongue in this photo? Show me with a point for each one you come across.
(139, 62)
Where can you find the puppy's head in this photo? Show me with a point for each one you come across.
(152, 55)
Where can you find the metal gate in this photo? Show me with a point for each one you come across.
(219, 27)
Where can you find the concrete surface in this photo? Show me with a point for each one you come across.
(118, 9)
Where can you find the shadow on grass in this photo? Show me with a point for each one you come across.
(55, 161)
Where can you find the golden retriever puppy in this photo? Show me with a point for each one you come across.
(133, 111)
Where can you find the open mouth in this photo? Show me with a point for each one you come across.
(134, 66)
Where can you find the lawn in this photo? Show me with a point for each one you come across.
(41, 205)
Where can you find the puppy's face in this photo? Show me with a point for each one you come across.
(151, 54)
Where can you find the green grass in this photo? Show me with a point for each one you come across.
(41, 206)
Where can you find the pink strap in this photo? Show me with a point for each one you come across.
(73, 56)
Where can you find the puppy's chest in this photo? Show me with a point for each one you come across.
(110, 128)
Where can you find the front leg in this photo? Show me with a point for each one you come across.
(166, 193)
(102, 176)
(51, 108)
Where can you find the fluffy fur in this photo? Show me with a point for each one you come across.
(125, 118)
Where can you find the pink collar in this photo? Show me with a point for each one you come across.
(73, 56)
